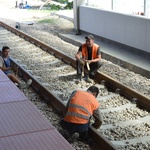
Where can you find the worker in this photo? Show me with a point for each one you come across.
(5, 66)
(88, 54)
(81, 106)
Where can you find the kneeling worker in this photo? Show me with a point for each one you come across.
(80, 107)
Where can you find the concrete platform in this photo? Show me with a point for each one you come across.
(133, 59)
(22, 125)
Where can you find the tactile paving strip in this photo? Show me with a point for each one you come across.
(9, 92)
(3, 77)
(44, 140)
(21, 117)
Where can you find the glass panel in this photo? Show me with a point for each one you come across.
(123, 6)
(103, 4)
(148, 8)
(129, 6)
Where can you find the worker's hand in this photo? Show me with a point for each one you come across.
(95, 126)
(14, 68)
(88, 61)
(81, 61)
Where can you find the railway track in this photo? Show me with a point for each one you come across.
(125, 126)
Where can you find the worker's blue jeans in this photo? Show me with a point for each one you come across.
(82, 129)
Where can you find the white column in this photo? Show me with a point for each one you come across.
(76, 4)
(145, 7)
(112, 4)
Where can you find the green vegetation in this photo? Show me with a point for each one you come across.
(69, 5)
(50, 21)
(62, 1)
(55, 7)
(41, 11)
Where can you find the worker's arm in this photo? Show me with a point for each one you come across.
(78, 57)
(5, 69)
(2, 65)
(94, 60)
(98, 118)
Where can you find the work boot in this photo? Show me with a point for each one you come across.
(87, 79)
(65, 134)
(79, 77)
(29, 82)
(93, 73)
(23, 85)
(73, 137)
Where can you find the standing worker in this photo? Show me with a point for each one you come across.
(5, 66)
(88, 55)
(80, 107)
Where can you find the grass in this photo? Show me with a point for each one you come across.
(45, 12)
(42, 11)
(50, 21)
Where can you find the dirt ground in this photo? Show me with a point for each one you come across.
(9, 11)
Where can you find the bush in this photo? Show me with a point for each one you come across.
(69, 5)
(55, 7)
(59, 7)
(62, 1)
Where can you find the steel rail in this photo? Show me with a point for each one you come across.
(99, 77)
(101, 141)
(129, 93)
(126, 91)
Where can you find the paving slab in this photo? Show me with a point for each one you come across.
(21, 118)
(9, 92)
(43, 140)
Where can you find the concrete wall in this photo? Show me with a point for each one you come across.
(130, 30)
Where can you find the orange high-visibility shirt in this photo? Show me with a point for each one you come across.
(85, 51)
(81, 107)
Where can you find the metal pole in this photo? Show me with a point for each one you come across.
(16, 4)
(112, 5)
(145, 7)
(76, 16)
(87, 2)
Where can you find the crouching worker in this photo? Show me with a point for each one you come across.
(88, 58)
(82, 105)
(5, 66)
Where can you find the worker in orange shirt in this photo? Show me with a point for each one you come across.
(81, 106)
(88, 54)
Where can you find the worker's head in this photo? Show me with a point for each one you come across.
(5, 51)
(89, 40)
(94, 90)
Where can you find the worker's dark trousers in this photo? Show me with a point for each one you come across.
(93, 67)
(82, 129)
